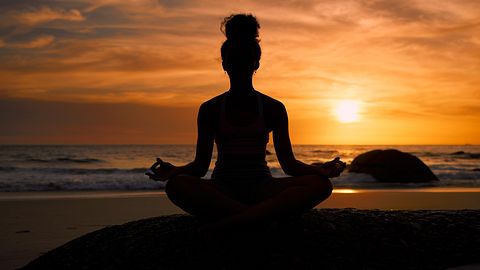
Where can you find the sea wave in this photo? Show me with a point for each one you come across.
(449, 155)
(73, 171)
(134, 179)
(65, 160)
(108, 167)
(58, 185)
(458, 175)
(7, 168)
(462, 154)
(325, 151)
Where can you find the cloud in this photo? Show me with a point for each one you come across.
(38, 42)
(45, 14)
(156, 51)
(33, 121)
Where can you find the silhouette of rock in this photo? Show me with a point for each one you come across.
(458, 153)
(476, 170)
(319, 239)
(392, 166)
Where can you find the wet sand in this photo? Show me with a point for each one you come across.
(34, 223)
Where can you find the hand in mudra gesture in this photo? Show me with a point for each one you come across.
(161, 171)
(333, 168)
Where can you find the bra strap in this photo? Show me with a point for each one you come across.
(260, 105)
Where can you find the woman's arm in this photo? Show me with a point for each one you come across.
(286, 158)
(205, 139)
(199, 166)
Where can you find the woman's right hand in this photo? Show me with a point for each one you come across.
(161, 171)
(333, 168)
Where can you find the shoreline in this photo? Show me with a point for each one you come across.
(98, 194)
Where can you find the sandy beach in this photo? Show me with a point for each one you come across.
(34, 223)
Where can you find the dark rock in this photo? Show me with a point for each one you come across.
(476, 170)
(320, 239)
(392, 166)
(458, 153)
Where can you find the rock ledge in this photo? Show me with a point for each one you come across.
(320, 239)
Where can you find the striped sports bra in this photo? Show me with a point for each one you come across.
(241, 149)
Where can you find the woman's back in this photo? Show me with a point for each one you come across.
(241, 136)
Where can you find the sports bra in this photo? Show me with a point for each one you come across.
(241, 149)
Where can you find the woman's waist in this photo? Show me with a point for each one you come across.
(237, 161)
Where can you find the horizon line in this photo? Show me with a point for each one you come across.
(185, 144)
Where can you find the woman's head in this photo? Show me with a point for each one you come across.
(241, 51)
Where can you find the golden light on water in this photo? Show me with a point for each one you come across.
(344, 190)
(347, 110)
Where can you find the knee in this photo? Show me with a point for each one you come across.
(176, 186)
(322, 187)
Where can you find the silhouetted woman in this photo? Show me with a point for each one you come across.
(242, 190)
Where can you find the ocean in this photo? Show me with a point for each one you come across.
(121, 167)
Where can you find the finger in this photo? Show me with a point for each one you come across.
(154, 166)
(155, 177)
(329, 163)
(167, 165)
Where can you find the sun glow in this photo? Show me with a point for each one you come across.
(347, 110)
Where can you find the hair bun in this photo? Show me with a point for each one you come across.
(240, 27)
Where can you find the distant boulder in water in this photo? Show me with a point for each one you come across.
(392, 166)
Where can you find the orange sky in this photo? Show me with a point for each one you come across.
(136, 71)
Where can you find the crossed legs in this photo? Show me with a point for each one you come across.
(285, 196)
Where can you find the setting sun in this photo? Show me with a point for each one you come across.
(347, 111)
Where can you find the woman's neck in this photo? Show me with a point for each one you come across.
(241, 85)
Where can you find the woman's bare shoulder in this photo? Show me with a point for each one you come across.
(212, 104)
(272, 103)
